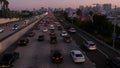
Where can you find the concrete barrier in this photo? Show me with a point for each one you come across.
(4, 44)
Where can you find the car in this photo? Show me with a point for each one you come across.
(52, 33)
(1, 30)
(53, 39)
(31, 34)
(52, 27)
(90, 45)
(7, 59)
(23, 42)
(113, 62)
(77, 56)
(15, 27)
(56, 56)
(45, 30)
(67, 39)
(59, 27)
(72, 30)
(63, 33)
(41, 37)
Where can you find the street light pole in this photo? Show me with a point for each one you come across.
(114, 30)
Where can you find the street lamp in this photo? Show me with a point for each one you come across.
(114, 29)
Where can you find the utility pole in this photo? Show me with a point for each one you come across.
(114, 29)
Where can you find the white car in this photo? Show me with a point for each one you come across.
(72, 30)
(90, 45)
(64, 33)
(1, 30)
(45, 30)
(77, 56)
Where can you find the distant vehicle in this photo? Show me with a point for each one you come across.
(1, 30)
(56, 57)
(72, 30)
(45, 30)
(7, 60)
(52, 33)
(53, 39)
(15, 27)
(90, 45)
(31, 34)
(77, 56)
(59, 27)
(52, 27)
(23, 42)
(113, 62)
(41, 37)
(67, 39)
(63, 33)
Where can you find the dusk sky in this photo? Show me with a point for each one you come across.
(30, 4)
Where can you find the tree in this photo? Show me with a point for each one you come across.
(4, 7)
(79, 14)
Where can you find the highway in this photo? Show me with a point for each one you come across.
(37, 54)
(99, 56)
(8, 29)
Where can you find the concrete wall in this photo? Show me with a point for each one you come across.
(4, 20)
(10, 40)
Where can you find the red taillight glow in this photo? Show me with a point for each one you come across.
(61, 57)
(18, 42)
(53, 57)
(75, 58)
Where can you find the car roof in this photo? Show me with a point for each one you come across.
(77, 51)
(90, 42)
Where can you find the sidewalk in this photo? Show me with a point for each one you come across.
(6, 20)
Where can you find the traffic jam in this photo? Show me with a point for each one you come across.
(46, 45)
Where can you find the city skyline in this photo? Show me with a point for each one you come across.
(30, 4)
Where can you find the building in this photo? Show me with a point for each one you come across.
(107, 8)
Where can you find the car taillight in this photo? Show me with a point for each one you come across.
(75, 58)
(53, 57)
(18, 42)
(61, 56)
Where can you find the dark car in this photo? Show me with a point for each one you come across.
(31, 34)
(72, 30)
(41, 37)
(114, 62)
(53, 39)
(56, 57)
(23, 42)
(7, 59)
(67, 39)
(59, 27)
(52, 33)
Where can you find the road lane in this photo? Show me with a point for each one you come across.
(37, 54)
(8, 29)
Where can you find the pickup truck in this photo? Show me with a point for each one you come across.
(7, 59)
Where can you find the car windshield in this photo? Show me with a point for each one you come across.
(57, 54)
(79, 55)
(92, 44)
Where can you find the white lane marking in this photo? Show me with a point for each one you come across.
(102, 53)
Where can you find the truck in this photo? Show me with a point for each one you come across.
(7, 59)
